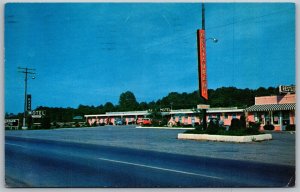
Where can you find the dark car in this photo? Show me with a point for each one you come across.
(119, 122)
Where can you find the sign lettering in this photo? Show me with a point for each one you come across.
(38, 114)
(28, 102)
(287, 89)
(202, 64)
(11, 122)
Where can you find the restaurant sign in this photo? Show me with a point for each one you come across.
(202, 64)
(287, 89)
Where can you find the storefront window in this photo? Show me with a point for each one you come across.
(226, 116)
(267, 118)
(259, 117)
(233, 115)
(286, 118)
(276, 117)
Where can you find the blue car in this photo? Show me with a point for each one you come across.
(119, 122)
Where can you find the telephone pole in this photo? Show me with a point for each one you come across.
(26, 71)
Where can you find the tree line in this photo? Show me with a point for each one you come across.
(220, 97)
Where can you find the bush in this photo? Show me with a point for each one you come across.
(235, 124)
(213, 127)
(164, 122)
(77, 124)
(290, 128)
(95, 124)
(254, 125)
(198, 127)
(46, 122)
(269, 127)
(243, 121)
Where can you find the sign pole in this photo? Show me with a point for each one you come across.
(201, 43)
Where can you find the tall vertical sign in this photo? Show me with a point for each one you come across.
(28, 102)
(202, 64)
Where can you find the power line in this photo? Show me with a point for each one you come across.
(249, 19)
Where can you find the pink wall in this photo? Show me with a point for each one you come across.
(289, 98)
(188, 120)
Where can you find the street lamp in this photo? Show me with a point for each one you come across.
(26, 71)
(214, 40)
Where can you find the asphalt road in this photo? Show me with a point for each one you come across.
(45, 163)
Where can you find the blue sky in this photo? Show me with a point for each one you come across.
(90, 53)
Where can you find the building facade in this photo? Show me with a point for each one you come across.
(273, 110)
(188, 117)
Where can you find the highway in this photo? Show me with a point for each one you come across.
(49, 163)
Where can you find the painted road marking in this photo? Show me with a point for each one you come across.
(15, 145)
(159, 168)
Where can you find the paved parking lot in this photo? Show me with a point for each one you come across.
(280, 150)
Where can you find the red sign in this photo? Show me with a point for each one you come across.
(202, 64)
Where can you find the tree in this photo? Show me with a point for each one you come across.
(108, 107)
(127, 102)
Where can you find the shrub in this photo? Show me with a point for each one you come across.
(213, 127)
(243, 121)
(77, 124)
(46, 122)
(198, 127)
(290, 128)
(254, 125)
(269, 127)
(235, 124)
(95, 124)
(253, 128)
(164, 122)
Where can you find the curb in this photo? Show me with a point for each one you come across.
(177, 128)
(225, 138)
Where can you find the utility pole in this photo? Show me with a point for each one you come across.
(26, 71)
(205, 100)
(203, 16)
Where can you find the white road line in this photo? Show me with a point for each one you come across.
(159, 168)
(15, 145)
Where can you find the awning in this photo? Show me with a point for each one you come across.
(272, 107)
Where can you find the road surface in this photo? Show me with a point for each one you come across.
(45, 163)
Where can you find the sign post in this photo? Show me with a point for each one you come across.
(201, 45)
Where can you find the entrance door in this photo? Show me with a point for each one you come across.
(285, 119)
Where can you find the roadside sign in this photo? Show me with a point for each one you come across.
(38, 114)
(12, 123)
(203, 106)
(28, 102)
(287, 89)
(202, 64)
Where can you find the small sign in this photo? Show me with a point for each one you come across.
(38, 114)
(203, 106)
(11, 122)
(165, 110)
(287, 89)
(28, 102)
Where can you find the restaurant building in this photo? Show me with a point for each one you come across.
(276, 110)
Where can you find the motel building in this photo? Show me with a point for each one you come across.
(275, 110)
(188, 117)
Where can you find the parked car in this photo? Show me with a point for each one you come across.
(119, 122)
(146, 121)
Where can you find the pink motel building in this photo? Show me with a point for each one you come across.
(109, 118)
(276, 110)
(184, 116)
(188, 116)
